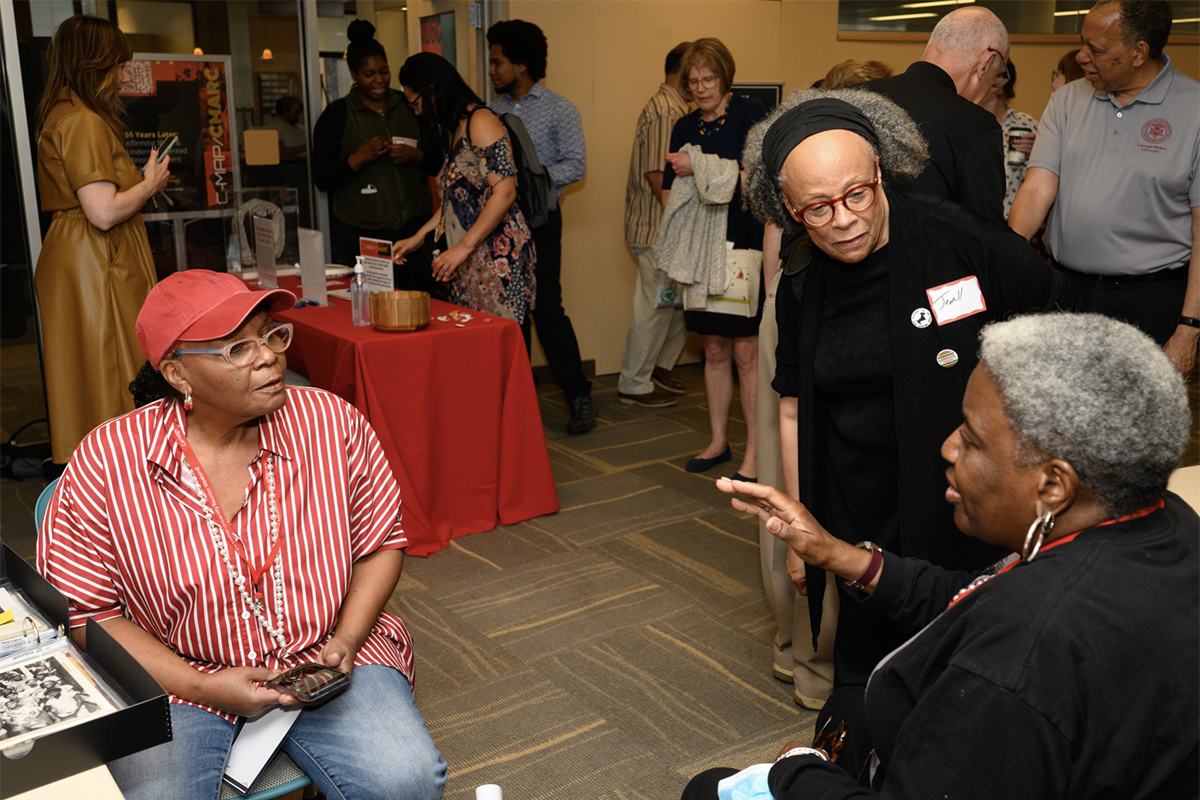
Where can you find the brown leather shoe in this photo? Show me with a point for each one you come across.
(648, 400)
(663, 379)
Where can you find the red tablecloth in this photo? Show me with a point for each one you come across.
(454, 408)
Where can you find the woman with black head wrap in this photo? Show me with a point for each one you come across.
(878, 314)
(378, 182)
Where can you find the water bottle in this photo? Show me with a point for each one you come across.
(360, 296)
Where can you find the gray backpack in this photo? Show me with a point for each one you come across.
(536, 194)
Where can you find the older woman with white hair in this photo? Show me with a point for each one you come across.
(878, 320)
(1070, 668)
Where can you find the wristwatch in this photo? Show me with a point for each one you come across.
(861, 582)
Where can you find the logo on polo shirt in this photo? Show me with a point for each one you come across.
(1156, 131)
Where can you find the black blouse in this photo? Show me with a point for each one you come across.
(726, 140)
(931, 243)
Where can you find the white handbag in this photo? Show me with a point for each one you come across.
(743, 283)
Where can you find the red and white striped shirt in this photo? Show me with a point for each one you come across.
(125, 535)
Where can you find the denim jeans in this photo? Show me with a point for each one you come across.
(367, 743)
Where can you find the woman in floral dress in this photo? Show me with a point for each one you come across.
(489, 263)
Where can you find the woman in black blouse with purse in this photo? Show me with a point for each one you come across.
(719, 127)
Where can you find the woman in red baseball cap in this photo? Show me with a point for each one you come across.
(245, 528)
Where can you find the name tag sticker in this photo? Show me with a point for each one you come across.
(954, 301)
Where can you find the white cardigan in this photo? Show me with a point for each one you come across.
(691, 242)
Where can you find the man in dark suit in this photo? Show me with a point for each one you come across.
(967, 54)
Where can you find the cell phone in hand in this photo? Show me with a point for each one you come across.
(165, 147)
(310, 682)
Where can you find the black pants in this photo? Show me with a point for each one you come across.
(1152, 307)
(845, 708)
(554, 328)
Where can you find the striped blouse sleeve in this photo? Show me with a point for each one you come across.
(375, 514)
(74, 547)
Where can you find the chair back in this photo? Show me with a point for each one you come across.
(43, 502)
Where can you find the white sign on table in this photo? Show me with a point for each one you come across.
(264, 252)
(377, 264)
(312, 266)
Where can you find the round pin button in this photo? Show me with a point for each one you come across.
(253, 656)
(947, 358)
(245, 615)
(921, 318)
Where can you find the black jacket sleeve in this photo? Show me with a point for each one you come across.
(786, 381)
(912, 592)
(330, 171)
(966, 738)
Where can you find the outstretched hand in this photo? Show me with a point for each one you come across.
(403, 247)
(788, 520)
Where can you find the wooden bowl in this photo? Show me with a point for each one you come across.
(400, 311)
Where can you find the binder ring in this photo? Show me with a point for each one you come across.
(28, 621)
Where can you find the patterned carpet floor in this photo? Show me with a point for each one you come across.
(616, 648)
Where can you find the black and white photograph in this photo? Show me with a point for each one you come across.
(45, 692)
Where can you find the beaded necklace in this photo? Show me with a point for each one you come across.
(711, 127)
(218, 529)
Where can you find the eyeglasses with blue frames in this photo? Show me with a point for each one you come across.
(857, 200)
(243, 352)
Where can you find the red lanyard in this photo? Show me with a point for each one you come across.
(1150, 509)
(256, 573)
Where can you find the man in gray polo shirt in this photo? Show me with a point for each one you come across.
(1117, 165)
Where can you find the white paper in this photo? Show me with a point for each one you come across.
(256, 744)
(264, 252)
(377, 264)
(312, 266)
(953, 301)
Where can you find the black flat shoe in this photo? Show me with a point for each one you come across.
(737, 476)
(702, 464)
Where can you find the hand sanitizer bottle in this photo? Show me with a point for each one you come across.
(360, 296)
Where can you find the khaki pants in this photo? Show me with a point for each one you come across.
(812, 672)
(656, 335)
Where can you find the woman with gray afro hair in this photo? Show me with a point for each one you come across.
(1070, 426)
(902, 150)
(1096, 393)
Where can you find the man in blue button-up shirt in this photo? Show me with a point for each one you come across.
(518, 63)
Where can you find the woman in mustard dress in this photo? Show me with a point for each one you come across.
(95, 268)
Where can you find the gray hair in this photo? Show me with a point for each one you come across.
(902, 151)
(968, 31)
(1095, 392)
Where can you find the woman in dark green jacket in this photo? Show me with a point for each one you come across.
(378, 184)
